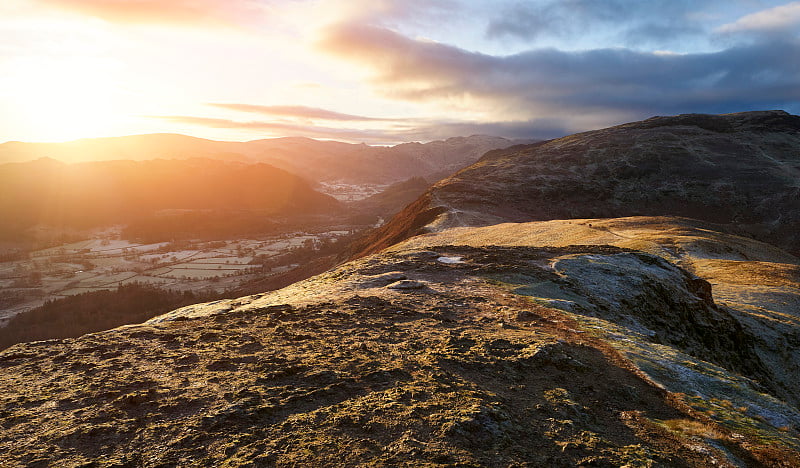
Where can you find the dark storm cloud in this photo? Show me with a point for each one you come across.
(551, 82)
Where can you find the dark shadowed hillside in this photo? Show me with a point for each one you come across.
(739, 170)
(393, 199)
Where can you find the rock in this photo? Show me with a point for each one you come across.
(450, 260)
(561, 304)
(526, 316)
(382, 279)
(407, 284)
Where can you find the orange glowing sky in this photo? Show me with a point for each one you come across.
(384, 71)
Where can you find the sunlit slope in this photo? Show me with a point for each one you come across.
(464, 347)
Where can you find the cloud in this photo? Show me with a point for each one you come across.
(283, 128)
(615, 83)
(394, 12)
(165, 11)
(298, 111)
(778, 20)
(537, 129)
(416, 131)
(631, 21)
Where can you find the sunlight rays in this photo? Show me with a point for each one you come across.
(64, 98)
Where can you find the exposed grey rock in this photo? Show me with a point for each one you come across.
(407, 284)
(383, 279)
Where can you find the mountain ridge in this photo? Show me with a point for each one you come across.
(748, 180)
(317, 160)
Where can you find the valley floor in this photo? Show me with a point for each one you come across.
(105, 262)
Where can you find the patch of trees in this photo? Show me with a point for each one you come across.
(95, 311)
(10, 297)
(13, 256)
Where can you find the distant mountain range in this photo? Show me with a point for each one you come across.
(319, 161)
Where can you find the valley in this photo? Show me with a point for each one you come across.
(186, 214)
(105, 262)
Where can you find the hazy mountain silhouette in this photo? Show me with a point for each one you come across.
(322, 161)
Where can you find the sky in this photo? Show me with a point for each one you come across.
(384, 72)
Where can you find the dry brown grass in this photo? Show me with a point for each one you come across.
(695, 428)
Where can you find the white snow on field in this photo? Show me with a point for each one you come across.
(99, 247)
(224, 260)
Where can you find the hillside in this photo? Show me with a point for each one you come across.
(132, 148)
(497, 352)
(655, 335)
(392, 199)
(740, 170)
(319, 161)
(95, 194)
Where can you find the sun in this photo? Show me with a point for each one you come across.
(63, 99)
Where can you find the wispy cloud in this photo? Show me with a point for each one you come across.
(298, 111)
(286, 129)
(416, 131)
(778, 20)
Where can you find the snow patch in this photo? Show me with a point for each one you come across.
(450, 260)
